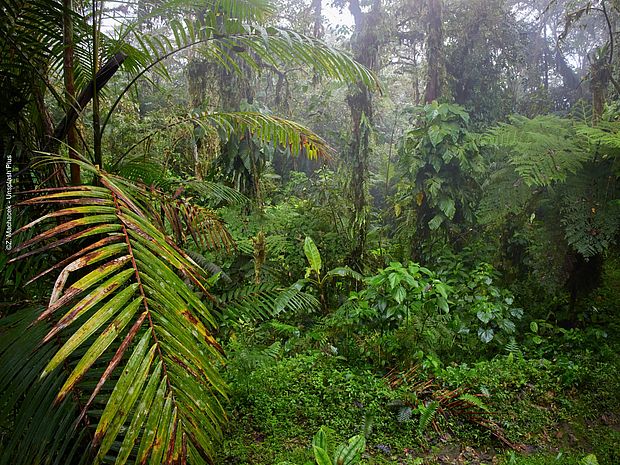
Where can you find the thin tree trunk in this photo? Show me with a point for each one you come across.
(98, 155)
(69, 81)
(434, 51)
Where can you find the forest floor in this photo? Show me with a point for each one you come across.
(559, 410)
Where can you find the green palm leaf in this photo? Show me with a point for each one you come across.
(130, 322)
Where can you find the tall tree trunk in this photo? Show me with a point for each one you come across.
(69, 81)
(365, 47)
(317, 28)
(434, 51)
(97, 150)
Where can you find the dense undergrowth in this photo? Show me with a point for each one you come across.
(551, 410)
(547, 393)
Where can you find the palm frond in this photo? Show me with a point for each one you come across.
(217, 192)
(268, 129)
(272, 45)
(125, 305)
(179, 215)
(20, 386)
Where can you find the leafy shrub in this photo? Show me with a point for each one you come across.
(482, 307)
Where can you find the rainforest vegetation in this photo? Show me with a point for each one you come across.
(310, 232)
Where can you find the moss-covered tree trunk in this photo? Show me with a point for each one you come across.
(365, 47)
(434, 51)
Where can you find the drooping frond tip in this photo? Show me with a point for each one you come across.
(268, 129)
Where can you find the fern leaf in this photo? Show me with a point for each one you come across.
(427, 415)
(264, 301)
(542, 150)
(473, 400)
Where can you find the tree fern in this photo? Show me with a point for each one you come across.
(505, 194)
(264, 301)
(542, 150)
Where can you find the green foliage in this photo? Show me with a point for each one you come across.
(313, 256)
(589, 459)
(252, 303)
(427, 415)
(553, 194)
(399, 293)
(439, 160)
(314, 260)
(482, 307)
(123, 300)
(543, 150)
(345, 454)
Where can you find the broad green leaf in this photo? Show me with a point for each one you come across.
(485, 335)
(320, 439)
(400, 294)
(442, 303)
(313, 255)
(321, 457)
(435, 222)
(394, 280)
(516, 312)
(435, 135)
(352, 452)
(447, 206)
(507, 325)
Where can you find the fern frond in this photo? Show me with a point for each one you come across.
(264, 301)
(427, 415)
(217, 192)
(542, 150)
(473, 401)
(504, 194)
(512, 347)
